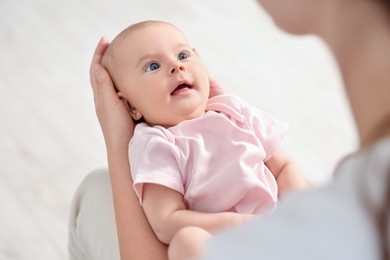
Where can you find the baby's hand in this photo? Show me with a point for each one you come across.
(239, 219)
(247, 217)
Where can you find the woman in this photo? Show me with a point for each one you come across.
(347, 219)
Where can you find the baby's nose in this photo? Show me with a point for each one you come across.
(177, 68)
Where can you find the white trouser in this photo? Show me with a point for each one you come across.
(92, 229)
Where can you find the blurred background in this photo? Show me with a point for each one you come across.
(49, 135)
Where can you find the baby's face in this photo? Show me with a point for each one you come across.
(161, 76)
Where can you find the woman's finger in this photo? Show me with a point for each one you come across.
(99, 51)
(93, 74)
(97, 71)
(215, 88)
(104, 82)
(101, 83)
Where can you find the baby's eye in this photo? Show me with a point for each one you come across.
(182, 56)
(152, 66)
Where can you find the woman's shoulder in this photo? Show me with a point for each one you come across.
(366, 170)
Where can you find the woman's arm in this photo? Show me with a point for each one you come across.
(286, 173)
(167, 214)
(136, 238)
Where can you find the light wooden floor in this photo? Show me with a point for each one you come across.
(49, 135)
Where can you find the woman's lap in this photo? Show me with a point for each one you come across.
(92, 229)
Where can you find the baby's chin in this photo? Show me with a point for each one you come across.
(177, 120)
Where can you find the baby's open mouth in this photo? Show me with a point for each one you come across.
(181, 88)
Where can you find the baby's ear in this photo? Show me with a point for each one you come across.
(134, 113)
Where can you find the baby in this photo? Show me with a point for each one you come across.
(200, 160)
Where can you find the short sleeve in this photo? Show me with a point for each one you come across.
(268, 129)
(153, 159)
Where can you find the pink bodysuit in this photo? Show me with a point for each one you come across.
(216, 161)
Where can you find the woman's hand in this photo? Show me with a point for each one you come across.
(215, 88)
(113, 116)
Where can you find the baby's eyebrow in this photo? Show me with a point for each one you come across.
(184, 46)
(144, 57)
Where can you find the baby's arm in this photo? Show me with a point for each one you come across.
(286, 173)
(167, 214)
(188, 243)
